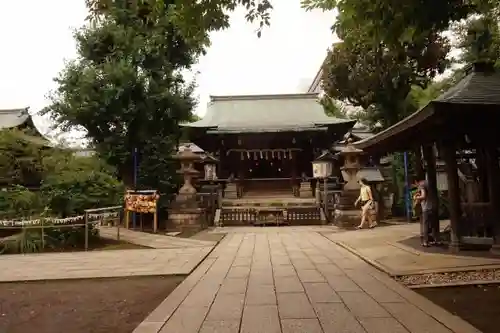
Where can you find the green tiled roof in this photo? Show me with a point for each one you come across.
(266, 113)
(21, 119)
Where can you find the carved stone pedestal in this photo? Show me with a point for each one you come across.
(305, 190)
(187, 219)
(346, 215)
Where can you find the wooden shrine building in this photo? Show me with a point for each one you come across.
(461, 128)
(266, 142)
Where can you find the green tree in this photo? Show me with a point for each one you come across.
(127, 91)
(388, 47)
(479, 38)
(194, 20)
(72, 184)
(333, 108)
(20, 158)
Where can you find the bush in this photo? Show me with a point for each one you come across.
(77, 184)
(16, 201)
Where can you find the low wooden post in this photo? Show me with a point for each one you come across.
(85, 220)
(43, 233)
(155, 221)
(126, 218)
(118, 229)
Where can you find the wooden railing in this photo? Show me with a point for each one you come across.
(235, 216)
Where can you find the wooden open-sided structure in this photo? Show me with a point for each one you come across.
(461, 128)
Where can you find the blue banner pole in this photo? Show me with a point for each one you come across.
(407, 189)
(134, 215)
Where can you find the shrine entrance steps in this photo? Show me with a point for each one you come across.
(268, 208)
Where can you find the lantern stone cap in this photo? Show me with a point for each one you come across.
(350, 149)
(187, 155)
(209, 159)
(326, 156)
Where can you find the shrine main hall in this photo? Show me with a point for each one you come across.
(266, 142)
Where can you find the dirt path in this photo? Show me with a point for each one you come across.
(81, 306)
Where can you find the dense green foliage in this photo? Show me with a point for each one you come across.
(66, 184)
(393, 50)
(127, 90)
(60, 185)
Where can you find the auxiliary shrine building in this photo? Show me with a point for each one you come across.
(266, 142)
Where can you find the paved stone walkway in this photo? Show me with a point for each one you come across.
(157, 241)
(382, 247)
(280, 281)
(100, 264)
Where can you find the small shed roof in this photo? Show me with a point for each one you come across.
(478, 91)
(266, 113)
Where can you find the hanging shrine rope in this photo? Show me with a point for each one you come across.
(260, 154)
(56, 221)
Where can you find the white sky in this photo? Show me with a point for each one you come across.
(36, 38)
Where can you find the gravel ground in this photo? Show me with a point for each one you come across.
(477, 304)
(450, 278)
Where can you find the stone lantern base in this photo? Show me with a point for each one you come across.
(346, 214)
(187, 219)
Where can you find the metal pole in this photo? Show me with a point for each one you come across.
(407, 188)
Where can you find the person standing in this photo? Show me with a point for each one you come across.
(367, 204)
(429, 213)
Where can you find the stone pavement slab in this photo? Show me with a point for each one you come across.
(100, 264)
(381, 247)
(279, 281)
(156, 241)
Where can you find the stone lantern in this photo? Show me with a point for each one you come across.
(210, 167)
(322, 166)
(346, 214)
(351, 165)
(187, 193)
(322, 170)
(184, 213)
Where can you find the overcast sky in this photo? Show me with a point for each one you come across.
(36, 38)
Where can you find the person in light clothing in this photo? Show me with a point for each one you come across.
(367, 204)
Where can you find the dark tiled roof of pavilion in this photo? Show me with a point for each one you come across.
(480, 87)
(266, 113)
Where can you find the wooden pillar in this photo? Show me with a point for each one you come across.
(430, 162)
(492, 168)
(419, 169)
(448, 149)
(294, 174)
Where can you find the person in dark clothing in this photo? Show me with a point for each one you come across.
(429, 213)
